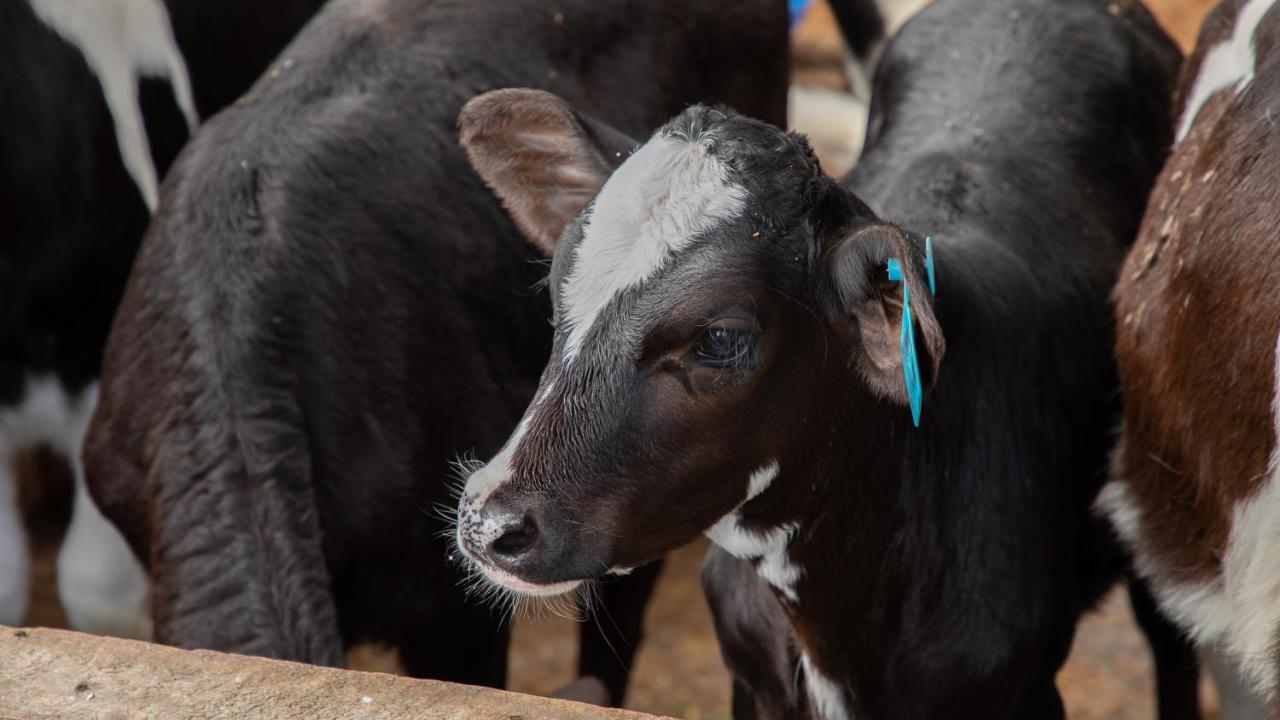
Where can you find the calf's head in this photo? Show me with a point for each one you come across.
(715, 297)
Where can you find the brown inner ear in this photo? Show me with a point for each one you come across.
(540, 157)
(879, 334)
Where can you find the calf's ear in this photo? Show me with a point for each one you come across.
(869, 304)
(543, 159)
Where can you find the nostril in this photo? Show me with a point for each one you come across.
(518, 539)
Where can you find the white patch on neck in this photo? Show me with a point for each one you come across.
(1239, 610)
(1230, 63)
(825, 696)
(122, 41)
(769, 548)
(658, 201)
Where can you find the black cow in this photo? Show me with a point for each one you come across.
(99, 98)
(330, 307)
(731, 359)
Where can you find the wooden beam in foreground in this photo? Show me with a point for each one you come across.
(61, 674)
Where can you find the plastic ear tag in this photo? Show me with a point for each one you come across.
(928, 263)
(907, 340)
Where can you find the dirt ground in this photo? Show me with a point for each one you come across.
(678, 671)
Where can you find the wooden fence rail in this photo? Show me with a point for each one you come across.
(60, 674)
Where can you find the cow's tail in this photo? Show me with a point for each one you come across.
(236, 550)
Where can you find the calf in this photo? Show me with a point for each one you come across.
(1195, 491)
(330, 308)
(99, 99)
(729, 360)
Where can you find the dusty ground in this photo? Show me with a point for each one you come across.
(678, 671)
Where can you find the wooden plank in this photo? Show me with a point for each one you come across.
(57, 673)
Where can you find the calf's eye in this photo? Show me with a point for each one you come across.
(724, 345)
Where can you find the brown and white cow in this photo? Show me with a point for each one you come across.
(728, 361)
(1196, 489)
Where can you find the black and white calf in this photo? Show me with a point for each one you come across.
(330, 308)
(99, 99)
(727, 361)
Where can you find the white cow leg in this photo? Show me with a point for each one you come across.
(15, 558)
(102, 586)
(1237, 699)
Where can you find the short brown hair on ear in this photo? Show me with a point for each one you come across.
(871, 305)
(543, 159)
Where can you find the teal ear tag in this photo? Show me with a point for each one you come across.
(928, 263)
(907, 345)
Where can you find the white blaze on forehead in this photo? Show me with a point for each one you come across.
(658, 201)
(121, 41)
(1229, 63)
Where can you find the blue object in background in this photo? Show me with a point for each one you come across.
(797, 8)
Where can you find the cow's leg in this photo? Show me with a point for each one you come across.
(611, 635)
(459, 641)
(756, 640)
(102, 586)
(1177, 669)
(1237, 699)
(15, 560)
(743, 702)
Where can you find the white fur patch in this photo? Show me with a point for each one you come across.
(15, 560)
(122, 41)
(482, 482)
(1251, 569)
(826, 697)
(1238, 611)
(474, 529)
(45, 415)
(1230, 63)
(1115, 503)
(1237, 700)
(102, 586)
(666, 194)
(768, 548)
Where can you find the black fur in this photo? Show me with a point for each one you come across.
(331, 306)
(1024, 137)
(941, 570)
(71, 217)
